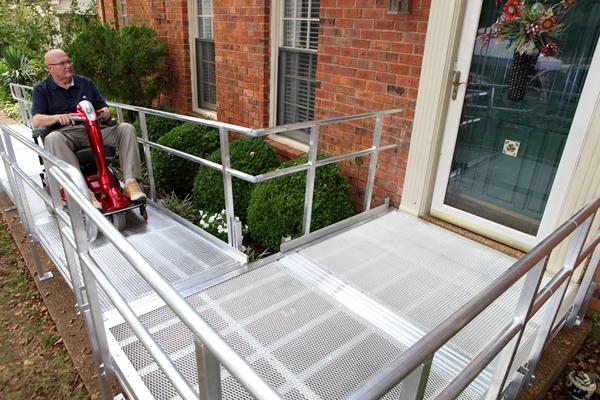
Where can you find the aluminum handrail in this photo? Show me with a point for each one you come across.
(234, 226)
(424, 348)
(233, 361)
(73, 183)
(237, 128)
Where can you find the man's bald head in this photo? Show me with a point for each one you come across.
(59, 66)
(54, 56)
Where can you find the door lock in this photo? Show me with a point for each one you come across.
(456, 83)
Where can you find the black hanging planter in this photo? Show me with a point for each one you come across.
(520, 74)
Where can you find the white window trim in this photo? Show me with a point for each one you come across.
(122, 13)
(276, 42)
(192, 34)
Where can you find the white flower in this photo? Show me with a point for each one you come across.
(211, 219)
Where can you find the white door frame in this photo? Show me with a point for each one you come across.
(589, 98)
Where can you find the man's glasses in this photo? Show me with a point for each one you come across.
(62, 63)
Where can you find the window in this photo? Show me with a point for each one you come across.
(398, 7)
(122, 12)
(298, 63)
(205, 55)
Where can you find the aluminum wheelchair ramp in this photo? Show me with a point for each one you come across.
(321, 320)
(182, 253)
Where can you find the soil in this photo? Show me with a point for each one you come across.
(33, 361)
(587, 360)
(57, 297)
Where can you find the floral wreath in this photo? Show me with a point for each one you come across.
(530, 26)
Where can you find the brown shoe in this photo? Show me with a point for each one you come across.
(94, 200)
(133, 191)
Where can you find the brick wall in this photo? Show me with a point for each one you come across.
(242, 61)
(370, 60)
(170, 21)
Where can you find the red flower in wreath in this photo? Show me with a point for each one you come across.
(512, 9)
(549, 49)
(569, 3)
(548, 23)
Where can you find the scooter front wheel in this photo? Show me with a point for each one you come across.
(119, 221)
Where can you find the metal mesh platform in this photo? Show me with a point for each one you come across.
(306, 344)
(178, 253)
(321, 321)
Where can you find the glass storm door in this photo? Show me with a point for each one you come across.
(509, 126)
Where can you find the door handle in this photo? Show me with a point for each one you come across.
(456, 83)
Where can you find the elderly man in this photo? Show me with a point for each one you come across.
(57, 96)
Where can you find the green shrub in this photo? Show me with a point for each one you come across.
(250, 155)
(17, 68)
(182, 207)
(277, 206)
(174, 174)
(128, 64)
(158, 126)
(28, 26)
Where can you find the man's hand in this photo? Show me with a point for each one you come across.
(64, 119)
(105, 114)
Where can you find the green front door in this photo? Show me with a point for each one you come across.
(517, 115)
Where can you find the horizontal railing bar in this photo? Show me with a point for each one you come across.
(325, 121)
(548, 290)
(236, 364)
(241, 129)
(181, 117)
(280, 172)
(585, 253)
(485, 356)
(30, 182)
(162, 360)
(200, 160)
(355, 154)
(381, 383)
(72, 171)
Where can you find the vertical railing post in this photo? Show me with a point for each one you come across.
(373, 162)
(120, 114)
(90, 306)
(523, 308)
(147, 154)
(311, 173)
(414, 385)
(20, 197)
(209, 372)
(584, 293)
(64, 229)
(227, 189)
(553, 305)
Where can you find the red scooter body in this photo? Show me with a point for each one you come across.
(103, 184)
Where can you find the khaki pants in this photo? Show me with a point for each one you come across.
(64, 142)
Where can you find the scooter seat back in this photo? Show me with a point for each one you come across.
(85, 155)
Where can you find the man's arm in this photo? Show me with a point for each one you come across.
(40, 120)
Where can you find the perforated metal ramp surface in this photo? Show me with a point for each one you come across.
(179, 252)
(319, 322)
(306, 344)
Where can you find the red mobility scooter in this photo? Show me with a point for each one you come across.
(100, 178)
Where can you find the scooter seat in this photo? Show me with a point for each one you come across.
(86, 155)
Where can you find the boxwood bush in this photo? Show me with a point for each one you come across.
(174, 174)
(277, 206)
(157, 126)
(250, 155)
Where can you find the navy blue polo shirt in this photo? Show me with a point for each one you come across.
(49, 98)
